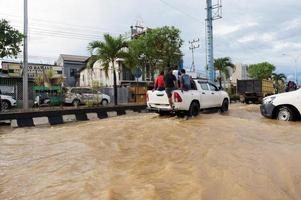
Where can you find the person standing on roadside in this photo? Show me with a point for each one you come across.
(160, 83)
(170, 85)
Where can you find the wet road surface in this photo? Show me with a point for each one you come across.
(238, 155)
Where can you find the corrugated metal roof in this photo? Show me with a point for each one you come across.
(74, 58)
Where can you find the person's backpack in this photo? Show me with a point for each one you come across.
(186, 81)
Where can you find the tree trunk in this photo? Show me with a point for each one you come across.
(277, 87)
(115, 85)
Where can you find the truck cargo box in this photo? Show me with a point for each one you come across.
(254, 90)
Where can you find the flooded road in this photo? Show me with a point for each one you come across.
(239, 155)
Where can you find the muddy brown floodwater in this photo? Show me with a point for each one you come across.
(239, 155)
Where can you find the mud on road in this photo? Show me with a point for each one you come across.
(238, 155)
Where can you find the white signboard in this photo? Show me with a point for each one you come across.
(36, 70)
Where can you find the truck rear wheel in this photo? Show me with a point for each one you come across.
(242, 99)
(194, 109)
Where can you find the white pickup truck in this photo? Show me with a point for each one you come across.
(203, 95)
(284, 106)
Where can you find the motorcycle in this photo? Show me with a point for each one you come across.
(40, 101)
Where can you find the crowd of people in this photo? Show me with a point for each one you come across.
(170, 82)
(291, 86)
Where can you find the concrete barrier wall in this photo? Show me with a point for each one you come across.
(55, 117)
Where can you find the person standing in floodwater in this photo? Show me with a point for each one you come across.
(170, 84)
(160, 83)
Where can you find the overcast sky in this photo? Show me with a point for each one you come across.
(249, 32)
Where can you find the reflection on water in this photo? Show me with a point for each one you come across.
(239, 155)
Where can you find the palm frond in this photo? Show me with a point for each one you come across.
(91, 61)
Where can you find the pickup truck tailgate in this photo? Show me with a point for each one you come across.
(157, 99)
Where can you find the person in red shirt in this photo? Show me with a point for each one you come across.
(160, 83)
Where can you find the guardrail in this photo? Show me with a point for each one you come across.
(26, 119)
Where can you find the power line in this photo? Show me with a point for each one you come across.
(64, 34)
(180, 11)
(65, 25)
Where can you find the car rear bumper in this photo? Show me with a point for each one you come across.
(163, 107)
(158, 107)
(267, 110)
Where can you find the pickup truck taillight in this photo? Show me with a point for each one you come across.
(177, 97)
(146, 97)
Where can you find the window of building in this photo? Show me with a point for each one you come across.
(73, 72)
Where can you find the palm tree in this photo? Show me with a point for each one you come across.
(278, 78)
(107, 52)
(222, 65)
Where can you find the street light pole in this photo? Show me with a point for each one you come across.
(25, 58)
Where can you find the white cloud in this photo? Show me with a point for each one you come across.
(291, 24)
(225, 29)
(282, 45)
(259, 37)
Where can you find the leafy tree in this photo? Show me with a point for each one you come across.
(279, 80)
(261, 71)
(168, 43)
(157, 48)
(10, 40)
(107, 52)
(132, 57)
(223, 65)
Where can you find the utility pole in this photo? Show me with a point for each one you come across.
(194, 44)
(209, 35)
(25, 59)
(296, 58)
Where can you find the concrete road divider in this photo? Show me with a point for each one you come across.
(54, 117)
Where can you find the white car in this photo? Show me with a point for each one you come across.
(81, 95)
(203, 95)
(284, 106)
(7, 102)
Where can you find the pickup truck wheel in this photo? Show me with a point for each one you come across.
(285, 114)
(225, 106)
(194, 109)
(5, 105)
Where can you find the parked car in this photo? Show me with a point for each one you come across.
(203, 95)
(7, 102)
(81, 95)
(284, 106)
